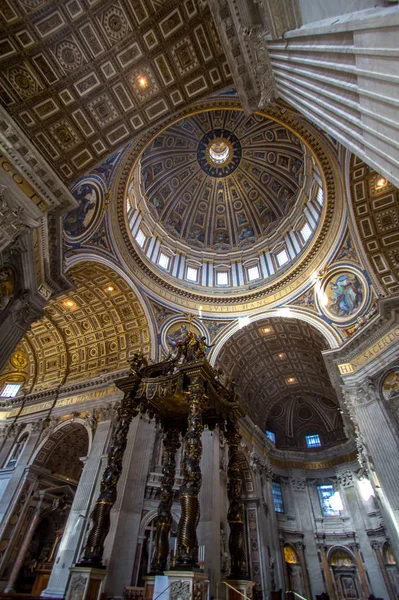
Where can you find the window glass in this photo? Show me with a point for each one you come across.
(313, 441)
(327, 496)
(306, 232)
(140, 238)
(163, 261)
(222, 278)
(277, 497)
(10, 390)
(271, 436)
(282, 258)
(253, 273)
(192, 274)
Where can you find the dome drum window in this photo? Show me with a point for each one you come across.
(222, 278)
(282, 258)
(163, 261)
(192, 274)
(140, 238)
(253, 273)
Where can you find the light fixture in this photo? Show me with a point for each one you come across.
(381, 183)
(266, 329)
(143, 81)
(69, 304)
(110, 288)
(281, 355)
(291, 380)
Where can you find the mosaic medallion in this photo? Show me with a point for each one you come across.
(390, 385)
(219, 153)
(344, 295)
(80, 220)
(177, 333)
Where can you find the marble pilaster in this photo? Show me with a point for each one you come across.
(78, 518)
(120, 544)
(209, 525)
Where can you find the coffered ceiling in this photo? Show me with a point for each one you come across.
(375, 204)
(83, 77)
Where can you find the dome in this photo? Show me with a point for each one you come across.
(220, 192)
(222, 181)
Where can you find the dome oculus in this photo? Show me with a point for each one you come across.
(219, 153)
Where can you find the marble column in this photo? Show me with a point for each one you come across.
(15, 321)
(380, 444)
(300, 550)
(358, 512)
(300, 492)
(211, 513)
(376, 546)
(24, 547)
(327, 572)
(78, 518)
(120, 544)
(360, 569)
(18, 476)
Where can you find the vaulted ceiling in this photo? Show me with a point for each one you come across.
(282, 380)
(375, 203)
(91, 330)
(84, 77)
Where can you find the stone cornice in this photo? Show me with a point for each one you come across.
(32, 165)
(66, 390)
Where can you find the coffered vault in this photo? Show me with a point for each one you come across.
(91, 330)
(282, 380)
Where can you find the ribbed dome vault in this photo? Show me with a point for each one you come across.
(220, 180)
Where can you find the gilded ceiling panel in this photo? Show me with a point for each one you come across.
(376, 209)
(82, 78)
(91, 330)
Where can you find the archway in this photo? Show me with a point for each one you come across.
(281, 379)
(56, 468)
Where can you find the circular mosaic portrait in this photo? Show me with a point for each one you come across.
(80, 220)
(390, 385)
(343, 295)
(177, 333)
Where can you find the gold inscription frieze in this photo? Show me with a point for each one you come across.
(388, 340)
(78, 398)
(310, 466)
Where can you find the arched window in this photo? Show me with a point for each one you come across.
(16, 451)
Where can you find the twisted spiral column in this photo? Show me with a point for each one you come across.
(94, 548)
(171, 444)
(187, 543)
(235, 515)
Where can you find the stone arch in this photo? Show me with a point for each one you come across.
(328, 332)
(277, 365)
(87, 257)
(336, 553)
(63, 448)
